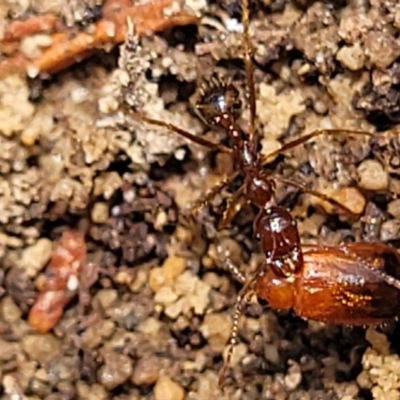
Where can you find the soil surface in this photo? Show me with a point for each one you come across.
(149, 307)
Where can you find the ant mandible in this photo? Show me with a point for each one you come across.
(352, 284)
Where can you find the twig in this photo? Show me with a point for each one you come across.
(69, 46)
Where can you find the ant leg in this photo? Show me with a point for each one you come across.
(389, 279)
(235, 203)
(248, 52)
(315, 193)
(187, 135)
(204, 200)
(302, 139)
(234, 270)
(243, 297)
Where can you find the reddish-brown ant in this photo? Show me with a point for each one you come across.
(354, 284)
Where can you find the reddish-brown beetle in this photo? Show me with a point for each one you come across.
(353, 284)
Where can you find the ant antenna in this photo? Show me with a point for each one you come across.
(390, 280)
(382, 274)
(248, 53)
(181, 132)
(243, 297)
(291, 144)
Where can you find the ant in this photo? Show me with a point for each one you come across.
(352, 284)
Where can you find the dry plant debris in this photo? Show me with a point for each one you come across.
(57, 46)
(60, 283)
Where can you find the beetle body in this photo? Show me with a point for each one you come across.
(340, 285)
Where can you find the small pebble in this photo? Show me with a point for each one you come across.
(116, 370)
(139, 281)
(35, 257)
(63, 189)
(150, 326)
(349, 197)
(95, 334)
(156, 279)
(293, 377)
(194, 290)
(107, 184)
(269, 146)
(271, 353)
(11, 388)
(208, 386)
(174, 310)
(381, 48)
(9, 311)
(93, 392)
(100, 212)
(146, 371)
(41, 347)
(161, 220)
(393, 208)
(183, 235)
(383, 373)
(198, 364)
(26, 373)
(8, 350)
(165, 296)
(40, 125)
(167, 389)
(390, 230)
(79, 94)
(105, 298)
(373, 176)
(173, 267)
(216, 328)
(363, 380)
(40, 388)
(253, 324)
(378, 340)
(351, 57)
(167, 274)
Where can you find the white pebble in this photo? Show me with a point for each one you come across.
(373, 176)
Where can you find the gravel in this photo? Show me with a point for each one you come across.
(153, 311)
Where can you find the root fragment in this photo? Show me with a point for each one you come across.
(71, 45)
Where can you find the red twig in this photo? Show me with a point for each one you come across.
(17, 30)
(69, 46)
(60, 283)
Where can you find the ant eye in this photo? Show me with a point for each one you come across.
(236, 108)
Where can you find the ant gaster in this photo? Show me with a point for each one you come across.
(355, 284)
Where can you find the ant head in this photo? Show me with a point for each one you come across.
(219, 103)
